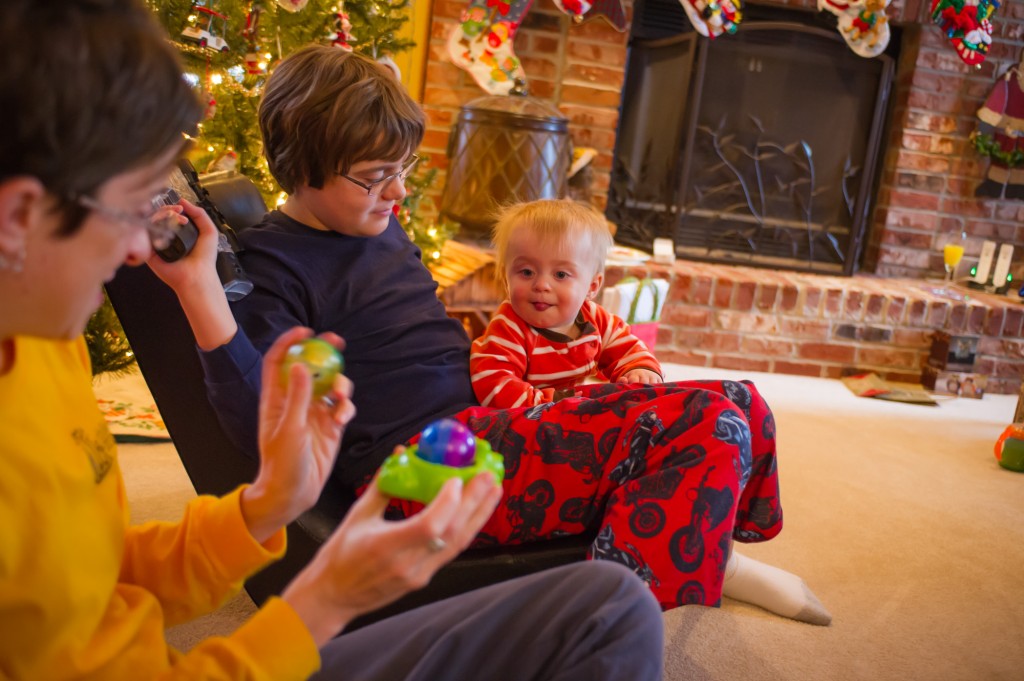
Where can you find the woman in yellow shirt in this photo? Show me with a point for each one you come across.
(92, 108)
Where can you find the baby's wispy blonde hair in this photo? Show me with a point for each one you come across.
(561, 221)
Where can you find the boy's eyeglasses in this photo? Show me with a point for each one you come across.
(160, 228)
(377, 186)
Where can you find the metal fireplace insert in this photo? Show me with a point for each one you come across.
(760, 148)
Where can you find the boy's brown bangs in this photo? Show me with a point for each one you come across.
(388, 130)
(394, 142)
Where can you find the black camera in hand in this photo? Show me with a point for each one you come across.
(184, 238)
(185, 184)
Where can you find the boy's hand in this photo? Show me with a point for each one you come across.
(369, 562)
(195, 281)
(645, 376)
(197, 268)
(299, 439)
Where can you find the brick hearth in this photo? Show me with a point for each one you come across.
(792, 323)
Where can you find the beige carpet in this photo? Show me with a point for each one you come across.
(897, 516)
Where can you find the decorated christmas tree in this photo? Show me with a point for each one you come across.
(108, 348)
(228, 48)
(427, 233)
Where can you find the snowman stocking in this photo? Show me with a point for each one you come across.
(966, 24)
(712, 18)
(482, 43)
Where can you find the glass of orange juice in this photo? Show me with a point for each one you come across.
(952, 253)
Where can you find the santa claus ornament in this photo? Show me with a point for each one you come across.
(1000, 136)
(341, 30)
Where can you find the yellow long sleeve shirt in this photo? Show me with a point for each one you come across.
(83, 595)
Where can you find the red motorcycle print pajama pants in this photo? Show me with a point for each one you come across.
(666, 475)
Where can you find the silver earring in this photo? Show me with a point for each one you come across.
(14, 262)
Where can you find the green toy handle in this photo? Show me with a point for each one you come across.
(645, 283)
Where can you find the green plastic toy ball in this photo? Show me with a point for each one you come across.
(321, 358)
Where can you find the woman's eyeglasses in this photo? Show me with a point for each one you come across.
(161, 228)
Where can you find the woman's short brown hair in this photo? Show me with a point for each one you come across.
(325, 109)
(88, 90)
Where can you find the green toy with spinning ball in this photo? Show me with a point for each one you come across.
(446, 449)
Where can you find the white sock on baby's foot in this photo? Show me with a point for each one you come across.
(773, 589)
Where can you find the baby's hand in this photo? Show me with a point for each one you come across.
(645, 376)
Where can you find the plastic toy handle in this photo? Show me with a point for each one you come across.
(1016, 430)
(646, 283)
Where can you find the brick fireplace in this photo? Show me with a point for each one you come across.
(879, 319)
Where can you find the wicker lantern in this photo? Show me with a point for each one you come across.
(503, 149)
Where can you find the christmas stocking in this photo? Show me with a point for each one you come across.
(482, 43)
(966, 24)
(581, 10)
(712, 18)
(574, 9)
(862, 23)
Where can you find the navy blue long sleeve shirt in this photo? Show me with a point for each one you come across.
(408, 360)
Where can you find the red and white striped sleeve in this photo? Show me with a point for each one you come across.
(621, 351)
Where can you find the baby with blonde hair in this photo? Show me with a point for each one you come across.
(561, 222)
(550, 335)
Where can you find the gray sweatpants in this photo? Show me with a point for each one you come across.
(589, 621)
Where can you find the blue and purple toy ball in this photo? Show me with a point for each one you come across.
(447, 442)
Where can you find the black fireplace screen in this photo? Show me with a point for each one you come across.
(758, 148)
